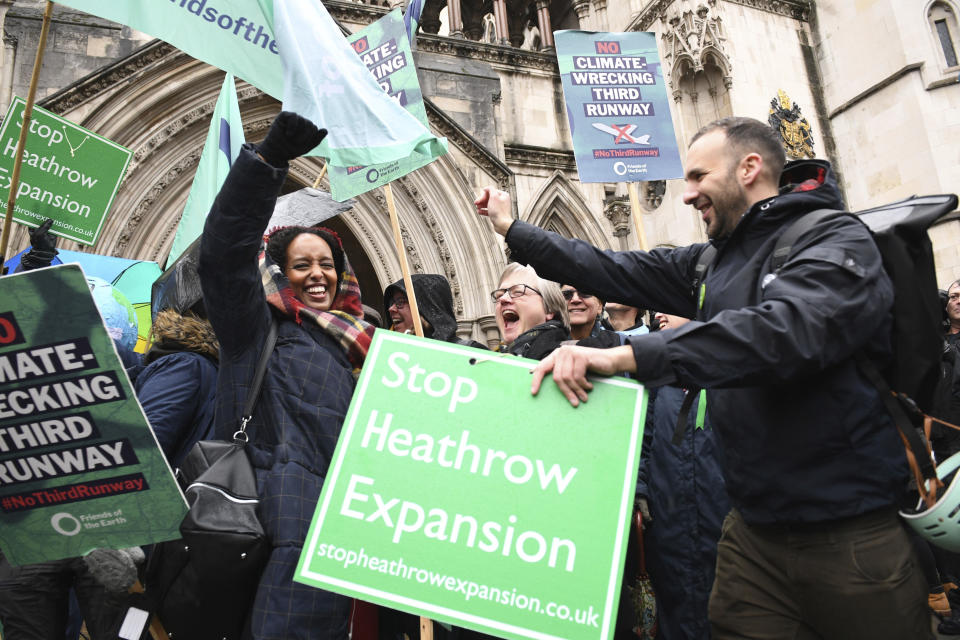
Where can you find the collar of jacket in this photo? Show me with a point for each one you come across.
(805, 185)
(538, 342)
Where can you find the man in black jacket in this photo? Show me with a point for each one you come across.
(812, 547)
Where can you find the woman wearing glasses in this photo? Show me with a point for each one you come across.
(530, 312)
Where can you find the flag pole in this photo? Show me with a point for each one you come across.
(426, 628)
(635, 215)
(405, 268)
(323, 172)
(21, 143)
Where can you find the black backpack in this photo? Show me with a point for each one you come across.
(908, 384)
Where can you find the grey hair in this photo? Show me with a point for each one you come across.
(553, 301)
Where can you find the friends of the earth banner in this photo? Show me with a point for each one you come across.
(457, 495)
(291, 50)
(80, 467)
(617, 106)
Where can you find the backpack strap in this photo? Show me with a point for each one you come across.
(240, 435)
(918, 450)
(698, 291)
(781, 252)
(806, 222)
(701, 270)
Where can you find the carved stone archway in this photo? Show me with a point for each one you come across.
(158, 102)
(559, 206)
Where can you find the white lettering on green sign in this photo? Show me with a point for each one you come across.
(435, 523)
(436, 384)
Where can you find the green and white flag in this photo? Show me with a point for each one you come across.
(219, 151)
(320, 77)
(384, 50)
(330, 86)
(235, 35)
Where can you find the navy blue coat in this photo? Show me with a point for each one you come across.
(177, 393)
(304, 398)
(684, 488)
(805, 435)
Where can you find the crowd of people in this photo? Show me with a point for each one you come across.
(771, 474)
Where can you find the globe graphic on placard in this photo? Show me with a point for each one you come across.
(117, 312)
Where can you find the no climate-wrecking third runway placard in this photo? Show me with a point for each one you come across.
(457, 495)
(617, 106)
(80, 467)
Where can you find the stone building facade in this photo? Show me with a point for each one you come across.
(873, 81)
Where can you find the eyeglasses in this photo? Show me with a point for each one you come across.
(515, 291)
(399, 303)
(569, 293)
(953, 297)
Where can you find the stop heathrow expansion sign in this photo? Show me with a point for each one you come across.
(457, 495)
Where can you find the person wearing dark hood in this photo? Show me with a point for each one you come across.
(304, 283)
(812, 546)
(177, 385)
(530, 313)
(436, 308)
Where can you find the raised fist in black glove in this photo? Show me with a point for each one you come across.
(43, 247)
(290, 136)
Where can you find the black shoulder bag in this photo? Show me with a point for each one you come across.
(202, 586)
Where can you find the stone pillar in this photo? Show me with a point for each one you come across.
(430, 18)
(500, 19)
(616, 208)
(453, 17)
(8, 51)
(543, 23)
(489, 331)
(582, 9)
(600, 11)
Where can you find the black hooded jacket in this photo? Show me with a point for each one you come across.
(805, 436)
(435, 303)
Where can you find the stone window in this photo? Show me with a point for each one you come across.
(942, 18)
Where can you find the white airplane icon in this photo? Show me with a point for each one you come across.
(622, 132)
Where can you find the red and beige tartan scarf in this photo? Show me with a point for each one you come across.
(344, 321)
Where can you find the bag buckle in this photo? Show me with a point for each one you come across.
(240, 436)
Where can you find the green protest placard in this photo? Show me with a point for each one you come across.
(384, 49)
(68, 173)
(80, 467)
(456, 495)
